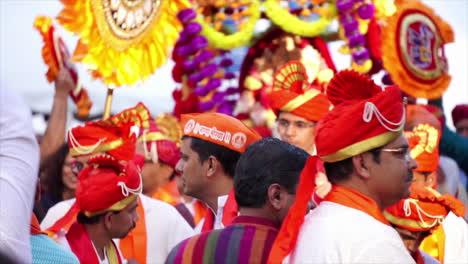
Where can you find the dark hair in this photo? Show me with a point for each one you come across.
(341, 170)
(264, 163)
(89, 220)
(227, 157)
(53, 166)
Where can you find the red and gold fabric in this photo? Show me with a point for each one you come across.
(160, 142)
(56, 55)
(413, 40)
(293, 93)
(122, 41)
(219, 129)
(424, 210)
(424, 145)
(113, 135)
(364, 117)
(459, 113)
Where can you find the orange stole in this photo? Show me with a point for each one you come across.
(434, 244)
(168, 193)
(35, 228)
(135, 243)
(199, 209)
(354, 199)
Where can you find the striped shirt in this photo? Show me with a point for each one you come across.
(247, 240)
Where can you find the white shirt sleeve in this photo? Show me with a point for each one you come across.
(19, 161)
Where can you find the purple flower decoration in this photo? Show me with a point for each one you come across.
(186, 15)
(225, 108)
(204, 56)
(350, 27)
(344, 5)
(206, 106)
(209, 70)
(366, 11)
(232, 90)
(195, 77)
(361, 56)
(229, 75)
(189, 65)
(226, 62)
(218, 97)
(210, 86)
(356, 40)
(199, 43)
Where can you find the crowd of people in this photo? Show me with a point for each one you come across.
(357, 175)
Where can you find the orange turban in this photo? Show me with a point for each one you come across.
(459, 113)
(162, 139)
(107, 185)
(424, 144)
(423, 210)
(219, 129)
(293, 93)
(364, 117)
(113, 135)
(416, 114)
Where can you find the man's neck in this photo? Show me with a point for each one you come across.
(363, 189)
(99, 238)
(222, 186)
(263, 212)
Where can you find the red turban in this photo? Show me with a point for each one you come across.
(219, 129)
(107, 185)
(113, 135)
(364, 117)
(292, 93)
(423, 210)
(460, 112)
(424, 144)
(161, 140)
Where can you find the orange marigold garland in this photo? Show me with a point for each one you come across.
(56, 55)
(413, 41)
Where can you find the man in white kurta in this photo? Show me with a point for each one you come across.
(366, 159)
(333, 233)
(165, 227)
(19, 162)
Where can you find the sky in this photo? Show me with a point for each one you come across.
(22, 68)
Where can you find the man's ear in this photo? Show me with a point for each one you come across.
(212, 165)
(107, 220)
(360, 163)
(275, 196)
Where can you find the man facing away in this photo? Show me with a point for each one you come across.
(367, 161)
(106, 197)
(265, 184)
(211, 146)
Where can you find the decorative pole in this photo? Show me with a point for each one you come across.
(107, 107)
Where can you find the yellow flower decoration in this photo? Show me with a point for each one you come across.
(122, 41)
(292, 24)
(241, 38)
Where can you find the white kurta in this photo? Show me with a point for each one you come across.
(218, 221)
(333, 233)
(165, 227)
(19, 162)
(456, 239)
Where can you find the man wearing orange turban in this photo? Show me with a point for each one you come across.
(106, 197)
(299, 106)
(367, 161)
(154, 234)
(211, 146)
(421, 214)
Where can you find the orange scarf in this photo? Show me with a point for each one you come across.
(35, 228)
(199, 209)
(354, 199)
(229, 213)
(135, 243)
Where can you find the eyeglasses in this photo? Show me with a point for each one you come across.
(76, 167)
(284, 124)
(400, 152)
